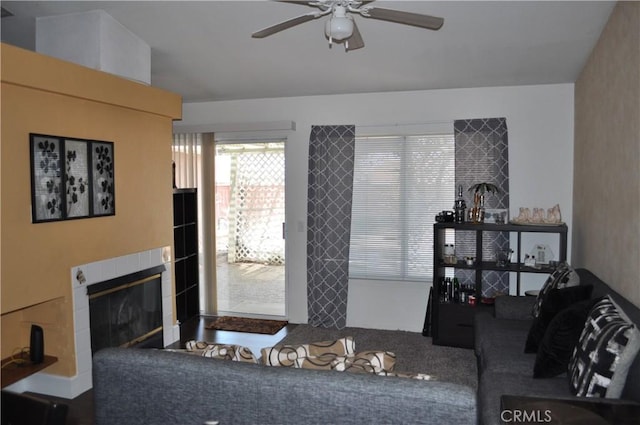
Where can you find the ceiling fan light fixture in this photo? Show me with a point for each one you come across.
(338, 29)
(340, 26)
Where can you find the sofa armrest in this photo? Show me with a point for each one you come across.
(516, 308)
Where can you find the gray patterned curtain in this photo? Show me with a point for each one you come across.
(482, 155)
(331, 155)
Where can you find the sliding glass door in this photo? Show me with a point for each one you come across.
(250, 216)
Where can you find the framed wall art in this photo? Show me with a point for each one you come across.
(71, 178)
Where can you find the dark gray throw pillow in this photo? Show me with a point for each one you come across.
(555, 301)
(560, 339)
(563, 276)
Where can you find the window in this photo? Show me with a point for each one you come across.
(400, 184)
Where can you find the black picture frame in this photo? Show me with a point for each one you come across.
(71, 178)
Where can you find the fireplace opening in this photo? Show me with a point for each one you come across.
(127, 311)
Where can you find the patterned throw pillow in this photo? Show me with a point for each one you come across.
(317, 363)
(564, 276)
(363, 362)
(197, 347)
(377, 361)
(286, 355)
(608, 345)
(236, 353)
(373, 361)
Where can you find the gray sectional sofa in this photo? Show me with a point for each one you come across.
(156, 387)
(504, 368)
(136, 386)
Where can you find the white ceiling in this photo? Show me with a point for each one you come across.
(203, 50)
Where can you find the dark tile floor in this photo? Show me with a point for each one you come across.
(81, 407)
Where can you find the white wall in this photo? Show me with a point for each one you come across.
(540, 123)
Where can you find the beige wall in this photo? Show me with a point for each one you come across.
(606, 218)
(44, 95)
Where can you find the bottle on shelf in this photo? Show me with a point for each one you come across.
(456, 290)
(459, 207)
(453, 292)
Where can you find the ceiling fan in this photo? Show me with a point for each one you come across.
(342, 28)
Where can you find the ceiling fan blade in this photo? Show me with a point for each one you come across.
(407, 18)
(320, 4)
(301, 3)
(286, 25)
(355, 41)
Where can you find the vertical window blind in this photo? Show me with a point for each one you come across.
(400, 184)
(187, 160)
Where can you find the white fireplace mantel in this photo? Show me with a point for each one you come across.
(88, 274)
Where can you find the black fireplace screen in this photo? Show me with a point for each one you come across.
(126, 311)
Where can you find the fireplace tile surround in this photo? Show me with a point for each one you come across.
(88, 274)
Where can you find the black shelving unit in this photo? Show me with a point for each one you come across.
(185, 239)
(451, 322)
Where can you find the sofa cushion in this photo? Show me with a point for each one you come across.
(407, 375)
(498, 359)
(560, 339)
(500, 339)
(564, 276)
(493, 385)
(286, 355)
(493, 331)
(514, 307)
(314, 397)
(607, 347)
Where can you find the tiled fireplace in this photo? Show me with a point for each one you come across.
(83, 276)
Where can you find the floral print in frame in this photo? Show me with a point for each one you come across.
(103, 178)
(46, 179)
(76, 178)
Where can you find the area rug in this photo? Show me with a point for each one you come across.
(414, 352)
(245, 324)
